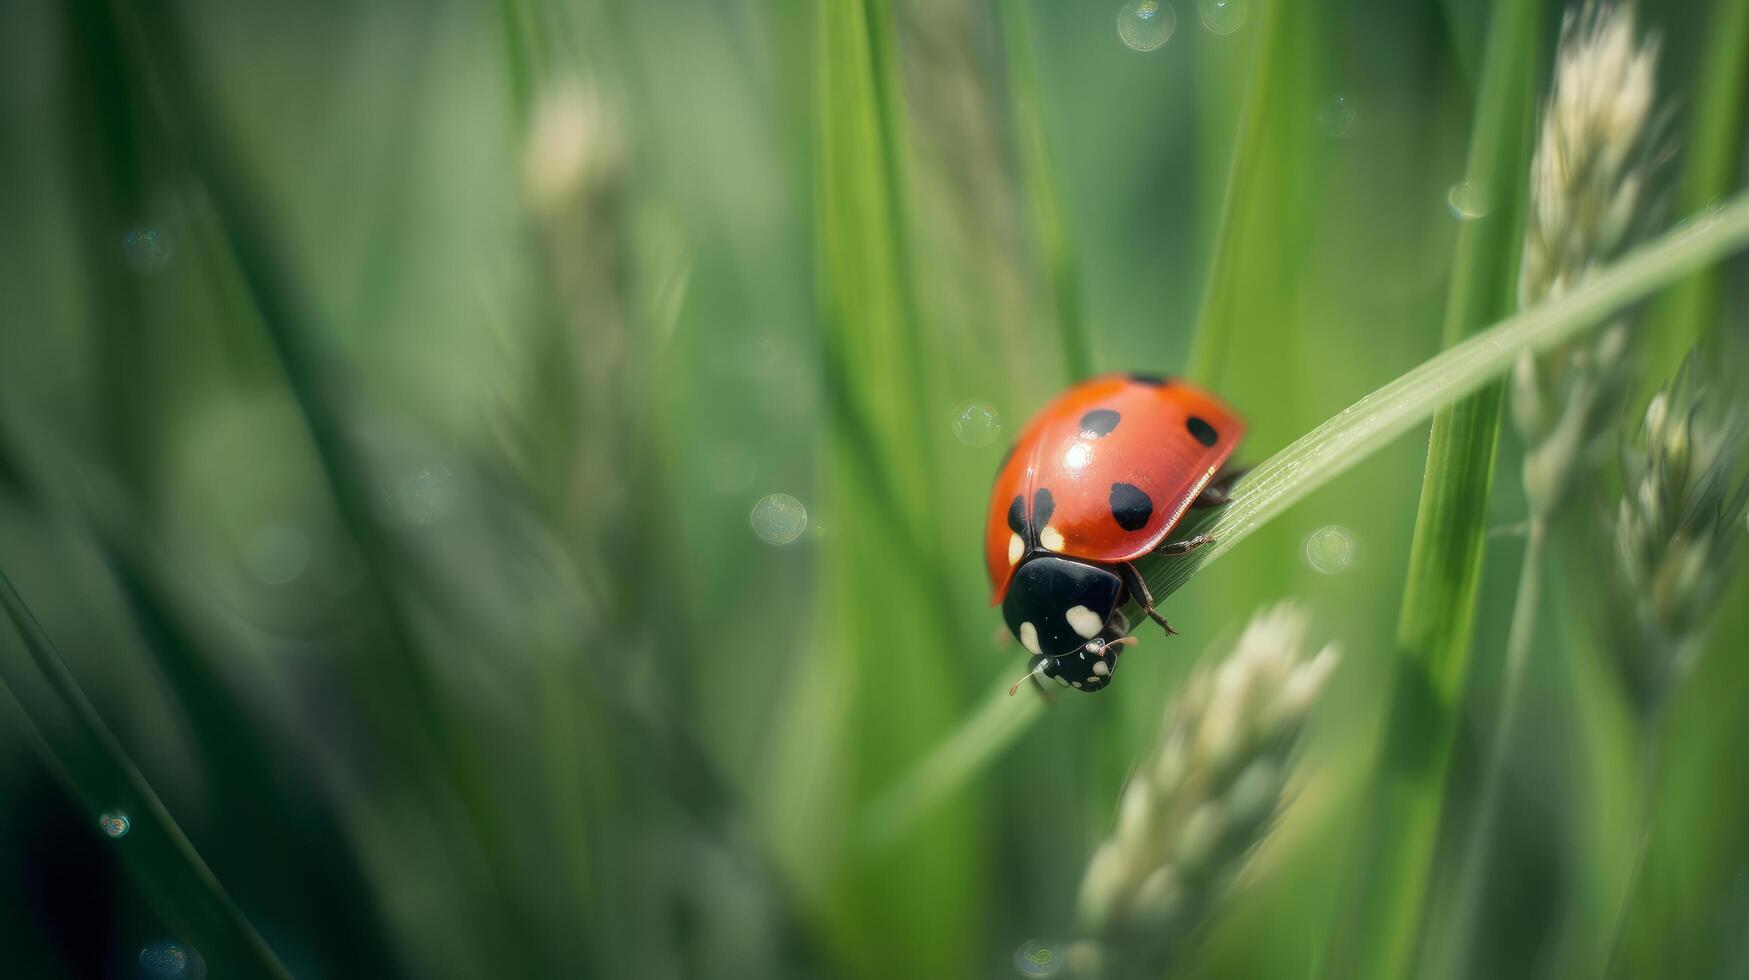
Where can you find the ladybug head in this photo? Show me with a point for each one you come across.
(1058, 606)
(1091, 666)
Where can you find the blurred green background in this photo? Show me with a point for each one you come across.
(387, 390)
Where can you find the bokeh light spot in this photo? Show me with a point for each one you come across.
(1038, 958)
(975, 423)
(779, 518)
(1146, 24)
(1223, 16)
(1330, 549)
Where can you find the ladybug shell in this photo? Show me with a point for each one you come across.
(1105, 471)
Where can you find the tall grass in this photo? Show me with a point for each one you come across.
(384, 396)
(66, 731)
(1440, 597)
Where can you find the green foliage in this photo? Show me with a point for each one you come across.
(1440, 594)
(66, 730)
(885, 619)
(385, 394)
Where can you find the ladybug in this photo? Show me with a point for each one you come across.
(1099, 478)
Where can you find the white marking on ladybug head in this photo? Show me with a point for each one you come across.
(1029, 638)
(1084, 621)
(1051, 538)
(1061, 680)
(1101, 668)
(1016, 548)
(1076, 683)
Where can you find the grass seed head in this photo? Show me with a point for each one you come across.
(1681, 512)
(1199, 804)
(1587, 184)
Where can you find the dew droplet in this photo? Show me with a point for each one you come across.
(1038, 958)
(114, 825)
(425, 495)
(1330, 549)
(975, 423)
(1146, 24)
(1336, 116)
(779, 518)
(1467, 201)
(1223, 16)
(147, 249)
(170, 960)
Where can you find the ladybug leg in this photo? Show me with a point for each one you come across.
(1185, 547)
(1138, 587)
(1220, 489)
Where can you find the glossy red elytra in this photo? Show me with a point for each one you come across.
(1099, 478)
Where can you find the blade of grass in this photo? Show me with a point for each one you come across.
(1356, 433)
(1373, 421)
(1242, 200)
(1049, 225)
(65, 729)
(841, 739)
(312, 872)
(1687, 314)
(157, 54)
(1445, 560)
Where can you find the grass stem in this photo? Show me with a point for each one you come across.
(1645, 803)
(1049, 225)
(66, 730)
(1459, 942)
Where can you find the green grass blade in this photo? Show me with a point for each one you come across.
(313, 870)
(1356, 433)
(1245, 198)
(78, 747)
(1049, 225)
(1445, 560)
(1370, 423)
(159, 58)
(882, 620)
(1712, 166)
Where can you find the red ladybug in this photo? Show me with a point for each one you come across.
(1099, 478)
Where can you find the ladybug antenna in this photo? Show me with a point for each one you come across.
(1033, 673)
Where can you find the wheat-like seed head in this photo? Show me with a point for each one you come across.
(1587, 181)
(1199, 803)
(1681, 512)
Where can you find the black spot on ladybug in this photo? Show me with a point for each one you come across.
(1099, 422)
(1204, 432)
(1042, 505)
(1151, 380)
(1017, 515)
(1130, 507)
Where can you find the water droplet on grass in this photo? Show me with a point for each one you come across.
(147, 249)
(1146, 24)
(425, 496)
(975, 423)
(1336, 116)
(1223, 16)
(114, 825)
(1330, 549)
(1038, 958)
(779, 518)
(1467, 200)
(170, 960)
